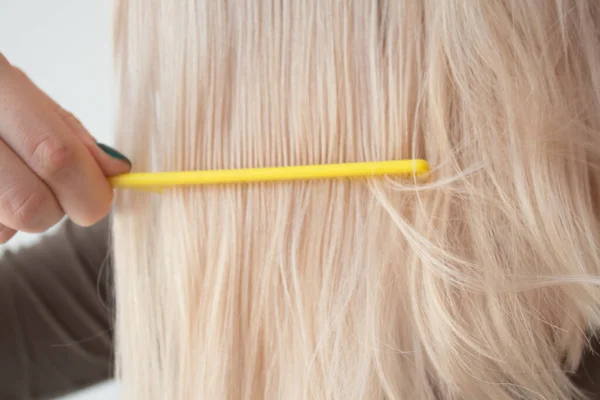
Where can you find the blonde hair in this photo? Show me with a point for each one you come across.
(481, 284)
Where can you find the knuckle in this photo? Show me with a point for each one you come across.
(52, 157)
(69, 117)
(72, 121)
(28, 208)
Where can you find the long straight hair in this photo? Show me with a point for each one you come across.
(479, 284)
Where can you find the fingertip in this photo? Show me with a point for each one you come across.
(96, 212)
(110, 164)
(121, 163)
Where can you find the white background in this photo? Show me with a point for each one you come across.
(65, 47)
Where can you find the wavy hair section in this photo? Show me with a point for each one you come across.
(482, 284)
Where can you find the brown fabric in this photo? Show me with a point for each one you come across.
(56, 315)
(588, 376)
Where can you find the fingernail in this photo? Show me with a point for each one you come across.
(113, 153)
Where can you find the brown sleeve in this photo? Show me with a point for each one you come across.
(56, 314)
(588, 375)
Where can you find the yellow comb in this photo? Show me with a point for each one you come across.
(154, 181)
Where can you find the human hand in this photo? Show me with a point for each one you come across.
(49, 164)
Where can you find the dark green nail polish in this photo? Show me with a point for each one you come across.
(113, 153)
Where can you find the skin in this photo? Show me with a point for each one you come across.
(50, 165)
